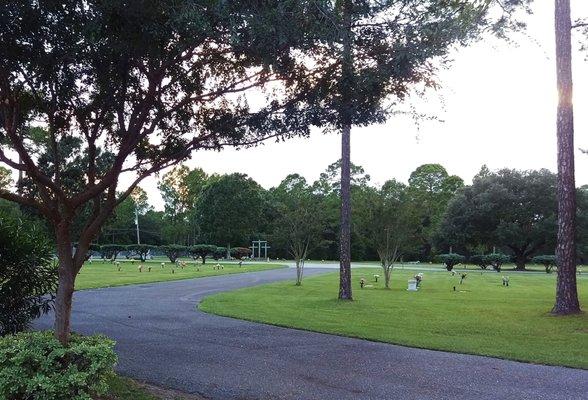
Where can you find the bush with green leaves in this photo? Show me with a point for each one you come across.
(173, 251)
(240, 252)
(450, 260)
(547, 260)
(28, 276)
(34, 365)
(141, 250)
(110, 251)
(481, 260)
(203, 251)
(219, 253)
(497, 260)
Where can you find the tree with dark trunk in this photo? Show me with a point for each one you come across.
(514, 210)
(347, 76)
(566, 299)
(375, 54)
(203, 251)
(130, 89)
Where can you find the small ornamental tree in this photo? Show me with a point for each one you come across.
(111, 251)
(497, 260)
(203, 251)
(28, 276)
(240, 252)
(300, 220)
(549, 261)
(173, 251)
(384, 222)
(450, 260)
(141, 250)
(219, 253)
(481, 260)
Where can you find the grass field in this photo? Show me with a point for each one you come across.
(480, 317)
(105, 274)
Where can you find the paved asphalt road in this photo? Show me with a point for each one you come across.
(162, 339)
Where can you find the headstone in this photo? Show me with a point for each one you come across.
(412, 285)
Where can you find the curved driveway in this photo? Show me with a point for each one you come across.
(162, 339)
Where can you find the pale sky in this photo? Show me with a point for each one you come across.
(499, 110)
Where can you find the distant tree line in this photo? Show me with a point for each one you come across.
(506, 212)
(174, 252)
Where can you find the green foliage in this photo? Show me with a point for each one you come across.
(430, 188)
(173, 251)
(36, 366)
(383, 220)
(549, 261)
(481, 260)
(110, 251)
(204, 250)
(240, 252)
(141, 250)
(230, 209)
(450, 260)
(180, 189)
(515, 210)
(495, 260)
(219, 252)
(27, 275)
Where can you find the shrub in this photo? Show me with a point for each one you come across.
(173, 251)
(219, 253)
(547, 260)
(35, 365)
(450, 260)
(496, 260)
(110, 251)
(27, 275)
(142, 250)
(240, 252)
(480, 260)
(203, 250)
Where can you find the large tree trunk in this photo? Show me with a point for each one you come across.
(520, 261)
(346, 119)
(63, 301)
(65, 288)
(345, 239)
(566, 300)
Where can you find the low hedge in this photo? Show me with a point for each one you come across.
(34, 365)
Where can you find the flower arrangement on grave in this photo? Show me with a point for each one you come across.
(376, 276)
(463, 276)
(140, 268)
(361, 283)
(162, 264)
(505, 280)
(418, 277)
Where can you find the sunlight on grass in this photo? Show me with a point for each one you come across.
(480, 317)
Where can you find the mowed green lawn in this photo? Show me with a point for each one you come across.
(480, 317)
(105, 274)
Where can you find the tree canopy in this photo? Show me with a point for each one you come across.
(510, 209)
